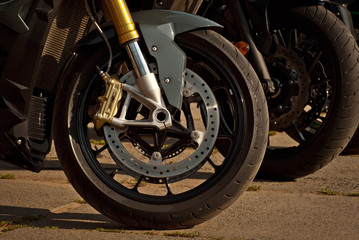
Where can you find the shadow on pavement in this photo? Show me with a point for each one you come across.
(43, 218)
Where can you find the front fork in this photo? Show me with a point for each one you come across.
(259, 23)
(146, 82)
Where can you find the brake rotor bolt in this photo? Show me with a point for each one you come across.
(19, 142)
(156, 156)
(194, 135)
(160, 3)
(167, 80)
(280, 107)
(291, 82)
(186, 93)
(154, 48)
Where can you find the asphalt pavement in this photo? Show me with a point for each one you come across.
(323, 205)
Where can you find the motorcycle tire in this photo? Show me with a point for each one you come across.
(353, 146)
(323, 116)
(140, 197)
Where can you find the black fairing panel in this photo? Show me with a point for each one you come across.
(13, 14)
(31, 63)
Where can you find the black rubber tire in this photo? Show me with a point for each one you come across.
(189, 208)
(353, 146)
(341, 119)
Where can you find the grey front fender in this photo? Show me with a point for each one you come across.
(159, 28)
(182, 21)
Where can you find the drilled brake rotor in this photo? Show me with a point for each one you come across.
(192, 156)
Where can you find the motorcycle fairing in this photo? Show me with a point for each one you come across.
(31, 65)
(13, 13)
(18, 79)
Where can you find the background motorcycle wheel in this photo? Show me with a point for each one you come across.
(353, 146)
(149, 201)
(324, 56)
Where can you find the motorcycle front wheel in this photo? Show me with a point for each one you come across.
(173, 178)
(314, 110)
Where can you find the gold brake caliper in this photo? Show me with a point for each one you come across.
(109, 101)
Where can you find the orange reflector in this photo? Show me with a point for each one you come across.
(242, 47)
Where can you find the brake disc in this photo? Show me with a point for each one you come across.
(292, 81)
(154, 167)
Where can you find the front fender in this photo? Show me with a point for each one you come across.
(158, 29)
(183, 22)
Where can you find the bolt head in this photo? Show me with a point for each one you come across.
(194, 135)
(186, 93)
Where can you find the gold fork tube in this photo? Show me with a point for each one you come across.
(117, 11)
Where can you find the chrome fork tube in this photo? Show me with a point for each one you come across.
(137, 59)
(117, 11)
(146, 81)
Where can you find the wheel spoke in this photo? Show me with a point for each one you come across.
(159, 139)
(185, 141)
(225, 129)
(113, 172)
(98, 151)
(177, 130)
(135, 188)
(216, 89)
(169, 191)
(315, 62)
(292, 38)
(297, 131)
(187, 112)
(216, 167)
(320, 82)
(224, 137)
(133, 136)
(281, 38)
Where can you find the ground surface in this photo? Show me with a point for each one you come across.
(324, 205)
